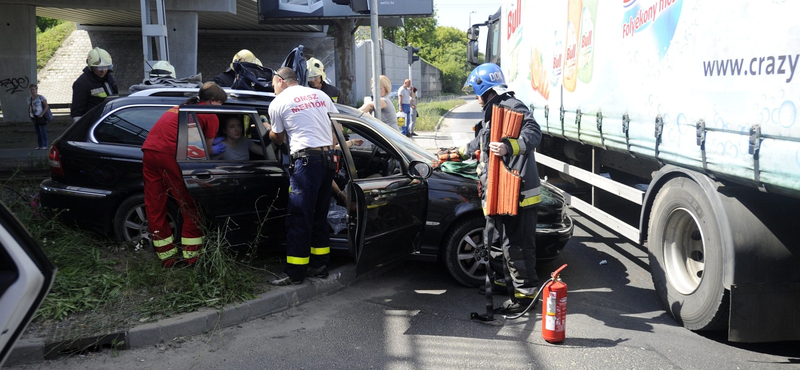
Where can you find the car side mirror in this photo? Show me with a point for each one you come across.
(420, 170)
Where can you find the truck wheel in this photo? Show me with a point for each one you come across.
(130, 221)
(686, 259)
(461, 247)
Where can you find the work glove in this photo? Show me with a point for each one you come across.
(219, 146)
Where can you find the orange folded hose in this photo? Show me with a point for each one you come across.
(494, 161)
(502, 188)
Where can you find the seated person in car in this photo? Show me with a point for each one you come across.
(237, 146)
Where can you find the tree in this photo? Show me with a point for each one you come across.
(443, 47)
(44, 23)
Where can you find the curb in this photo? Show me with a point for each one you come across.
(28, 351)
(439, 123)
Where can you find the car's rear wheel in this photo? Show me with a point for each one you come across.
(461, 253)
(130, 221)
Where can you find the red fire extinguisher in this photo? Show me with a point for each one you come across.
(554, 309)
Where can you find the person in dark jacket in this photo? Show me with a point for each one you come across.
(225, 79)
(94, 85)
(316, 79)
(512, 237)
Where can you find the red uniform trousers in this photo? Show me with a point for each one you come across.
(162, 178)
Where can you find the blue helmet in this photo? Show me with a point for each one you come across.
(484, 77)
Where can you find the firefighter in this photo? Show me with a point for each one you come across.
(300, 114)
(509, 237)
(225, 79)
(317, 79)
(162, 179)
(94, 85)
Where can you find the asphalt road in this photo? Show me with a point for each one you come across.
(415, 316)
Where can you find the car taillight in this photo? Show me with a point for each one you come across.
(54, 161)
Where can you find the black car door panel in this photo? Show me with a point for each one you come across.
(247, 199)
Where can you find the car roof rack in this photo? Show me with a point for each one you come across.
(183, 91)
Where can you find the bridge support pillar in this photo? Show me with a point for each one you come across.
(182, 40)
(17, 60)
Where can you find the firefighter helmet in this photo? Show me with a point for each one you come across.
(315, 68)
(484, 77)
(98, 57)
(245, 55)
(162, 68)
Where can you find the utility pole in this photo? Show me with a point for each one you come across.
(376, 59)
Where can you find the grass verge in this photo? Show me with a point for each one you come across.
(103, 287)
(49, 41)
(431, 112)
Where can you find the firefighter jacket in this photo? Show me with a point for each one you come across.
(520, 154)
(90, 90)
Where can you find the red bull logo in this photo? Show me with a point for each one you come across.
(514, 19)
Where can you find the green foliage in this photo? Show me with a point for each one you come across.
(443, 47)
(43, 23)
(431, 112)
(101, 285)
(49, 41)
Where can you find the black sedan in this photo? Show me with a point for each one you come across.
(397, 204)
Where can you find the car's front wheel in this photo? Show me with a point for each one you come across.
(461, 252)
(130, 221)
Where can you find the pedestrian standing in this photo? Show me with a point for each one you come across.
(37, 106)
(299, 114)
(509, 237)
(412, 118)
(94, 85)
(388, 112)
(404, 96)
(163, 179)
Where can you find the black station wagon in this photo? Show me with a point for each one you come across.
(397, 204)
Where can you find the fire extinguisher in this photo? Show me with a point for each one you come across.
(554, 309)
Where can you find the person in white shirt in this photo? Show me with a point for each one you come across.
(300, 114)
(404, 95)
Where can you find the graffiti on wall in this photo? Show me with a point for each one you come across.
(14, 85)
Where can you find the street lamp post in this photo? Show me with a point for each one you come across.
(470, 18)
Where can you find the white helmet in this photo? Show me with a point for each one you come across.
(162, 69)
(315, 68)
(99, 58)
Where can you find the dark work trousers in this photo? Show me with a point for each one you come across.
(307, 239)
(514, 240)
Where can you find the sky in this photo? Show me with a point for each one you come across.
(456, 13)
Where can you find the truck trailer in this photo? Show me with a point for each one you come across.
(685, 113)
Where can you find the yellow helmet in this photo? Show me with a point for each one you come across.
(99, 58)
(245, 55)
(315, 68)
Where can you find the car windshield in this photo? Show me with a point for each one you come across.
(411, 149)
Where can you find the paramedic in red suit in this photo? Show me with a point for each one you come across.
(162, 179)
(301, 114)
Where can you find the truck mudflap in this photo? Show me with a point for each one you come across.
(764, 312)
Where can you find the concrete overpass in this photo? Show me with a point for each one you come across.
(218, 28)
(202, 37)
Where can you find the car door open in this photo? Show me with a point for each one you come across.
(248, 196)
(386, 209)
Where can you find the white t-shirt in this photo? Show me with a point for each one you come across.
(37, 106)
(303, 113)
(404, 95)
